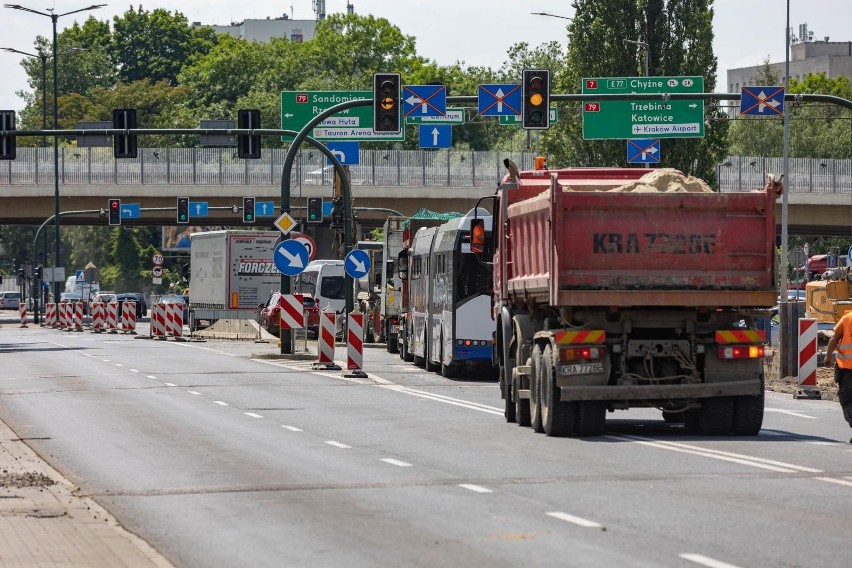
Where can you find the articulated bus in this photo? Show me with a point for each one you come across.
(450, 323)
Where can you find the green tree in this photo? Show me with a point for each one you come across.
(123, 273)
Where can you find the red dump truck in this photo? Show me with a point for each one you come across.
(608, 299)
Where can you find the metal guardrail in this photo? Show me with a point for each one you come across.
(420, 168)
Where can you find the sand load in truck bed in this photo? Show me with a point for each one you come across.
(666, 180)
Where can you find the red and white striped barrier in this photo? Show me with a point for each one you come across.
(77, 316)
(292, 312)
(111, 317)
(22, 310)
(355, 345)
(807, 360)
(62, 315)
(50, 314)
(158, 321)
(325, 341)
(174, 320)
(128, 317)
(98, 312)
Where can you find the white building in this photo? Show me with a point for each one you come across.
(264, 30)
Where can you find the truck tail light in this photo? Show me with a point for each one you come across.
(741, 351)
(580, 353)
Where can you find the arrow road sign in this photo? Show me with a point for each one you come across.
(436, 135)
(129, 210)
(499, 100)
(643, 151)
(762, 101)
(291, 257)
(198, 209)
(264, 208)
(347, 153)
(424, 100)
(299, 107)
(357, 263)
(309, 243)
(453, 116)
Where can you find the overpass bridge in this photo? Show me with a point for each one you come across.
(820, 191)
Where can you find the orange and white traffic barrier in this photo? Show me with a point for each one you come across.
(325, 341)
(111, 317)
(22, 310)
(77, 316)
(128, 317)
(355, 345)
(98, 313)
(50, 314)
(807, 360)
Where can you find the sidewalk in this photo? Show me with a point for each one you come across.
(43, 523)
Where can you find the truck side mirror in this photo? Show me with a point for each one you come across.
(389, 265)
(402, 265)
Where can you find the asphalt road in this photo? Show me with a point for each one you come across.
(220, 460)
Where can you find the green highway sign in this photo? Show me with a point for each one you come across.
(643, 119)
(453, 116)
(299, 107)
(515, 119)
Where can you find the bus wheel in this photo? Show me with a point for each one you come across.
(450, 371)
(419, 361)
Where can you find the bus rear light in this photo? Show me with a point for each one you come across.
(580, 353)
(472, 342)
(741, 352)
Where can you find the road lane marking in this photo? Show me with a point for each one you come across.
(834, 480)
(337, 445)
(796, 413)
(576, 520)
(292, 428)
(196, 393)
(771, 465)
(252, 414)
(707, 561)
(821, 443)
(475, 488)
(445, 399)
(133, 371)
(105, 360)
(396, 462)
(151, 376)
(220, 403)
(170, 384)
(118, 364)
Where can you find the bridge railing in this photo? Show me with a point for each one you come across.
(806, 175)
(221, 166)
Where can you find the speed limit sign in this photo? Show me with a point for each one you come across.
(158, 259)
(309, 243)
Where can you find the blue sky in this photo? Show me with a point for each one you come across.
(478, 32)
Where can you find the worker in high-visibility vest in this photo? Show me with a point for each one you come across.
(841, 342)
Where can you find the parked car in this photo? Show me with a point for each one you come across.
(10, 300)
(104, 297)
(269, 314)
(178, 299)
(141, 304)
(74, 298)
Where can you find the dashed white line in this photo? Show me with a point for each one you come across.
(292, 428)
(220, 403)
(196, 393)
(118, 364)
(796, 413)
(105, 360)
(337, 444)
(151, 376)
(834, 480)
(475, 488)
(707, 561)
(252, 414)
(821, 443)
(170, 384)
(133, 371)
(396, 462)
(576, 520)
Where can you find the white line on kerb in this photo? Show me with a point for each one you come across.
(196, 393)
(475, 488)
(395, 462)
(576, 520)
(220, 403)
(252, 414)
(170, 384)
(337, 444)
(707, 561)
(292, 428)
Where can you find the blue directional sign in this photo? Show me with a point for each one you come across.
(129, 210)
(424, 100)
(357, 263)
(643, 151)
(327, 208)
(499, 100)
(347, 153)
(264, 209)
(291, 257)
(762, 101)
(436, 136)
(198, 209)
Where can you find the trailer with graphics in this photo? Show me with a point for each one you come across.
(230, 270)
(609, 295)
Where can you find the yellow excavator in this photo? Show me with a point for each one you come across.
(828, 300)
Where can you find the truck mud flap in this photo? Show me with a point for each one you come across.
(656, 392)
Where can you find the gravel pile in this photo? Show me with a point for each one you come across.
(665, 180)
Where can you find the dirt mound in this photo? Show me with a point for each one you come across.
(665, 180)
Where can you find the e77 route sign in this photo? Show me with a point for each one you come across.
(299, 107)
(607, 119)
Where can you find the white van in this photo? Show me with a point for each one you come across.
(10, 300)
(325, 281)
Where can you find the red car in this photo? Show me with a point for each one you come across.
(269, 313)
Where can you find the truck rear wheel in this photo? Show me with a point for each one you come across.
(522, 405)
(392, 345)
(557, 416)
(535, 389)
(506, 391)
(591, 418)
(748, 415)
(715, 417)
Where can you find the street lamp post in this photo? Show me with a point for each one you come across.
(647, 48)
(54, 17)
(43, 56)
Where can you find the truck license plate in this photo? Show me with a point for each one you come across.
(394, 329)
(581, 369)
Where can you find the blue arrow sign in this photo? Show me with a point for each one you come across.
(762, 101)
(499, 100)
(327, 208)
(424, 100)
(129, 210)
(264, 209)
(347, 153)
(643, 151)
(436, 136)
(198, 209)
(291, 257)
(357, 263)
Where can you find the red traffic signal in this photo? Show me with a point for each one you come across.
(114, 212)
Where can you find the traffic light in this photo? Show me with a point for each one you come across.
(183, 210)
(315, 210)
(124, 145)
(535, 106)
(8, 142)
(114, 212)
(387, 110)
(248, 147)
(248, 209)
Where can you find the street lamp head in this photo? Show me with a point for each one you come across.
(551, 15)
